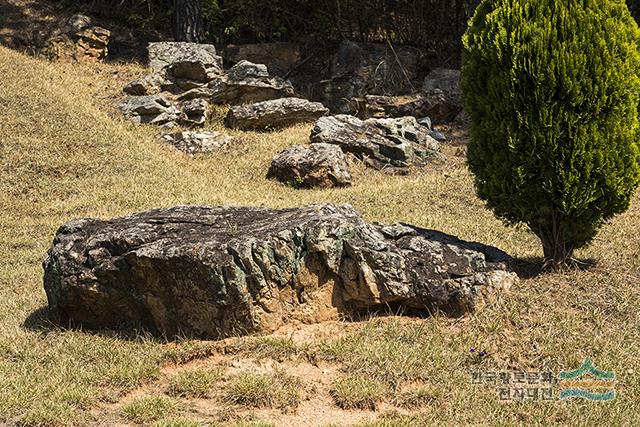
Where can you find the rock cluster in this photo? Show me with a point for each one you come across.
(380, 143)
(190, 77)
(80, 41)
(390, 144)
(211, 272)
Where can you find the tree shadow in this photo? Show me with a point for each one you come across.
(532, 267)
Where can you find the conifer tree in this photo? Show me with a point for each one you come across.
(553, 91)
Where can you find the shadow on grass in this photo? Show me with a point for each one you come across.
(39, 321)
(530, 268)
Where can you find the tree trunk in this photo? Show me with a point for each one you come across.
(187, 20)
(558, 252)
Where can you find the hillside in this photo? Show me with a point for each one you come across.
(65, 153)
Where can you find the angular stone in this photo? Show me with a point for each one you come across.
(380, 143)
(152, 109)
(151, 84)
(196, 110)
(194, 142)
(318, 165)
(87, 44)
(246, 83)
(275, 113)
(211, 272)
(245, 69)
(162, 54)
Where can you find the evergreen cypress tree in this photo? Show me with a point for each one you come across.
(553, 91)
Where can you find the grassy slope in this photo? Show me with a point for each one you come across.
(61, 157)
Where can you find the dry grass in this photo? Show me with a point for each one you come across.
(357, 392)
(147, 409)
(270, 390)
(194, 383)
(65, 153)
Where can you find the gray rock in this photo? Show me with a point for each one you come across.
(78, 22)
(196, 67)
(246, 83)
(318, 165)
(197, 111)
(437, 135)
(447, 80)
(381, 143)
(193, 142)
(162, 54)
(152, 109)
(275, 113)
(425, 121)
(245, 69)
(151, 84)
(211, 272)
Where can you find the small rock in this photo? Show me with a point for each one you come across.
(275, 113)
(193, 142)
(437, 135)
(245, 69)
(151, 109)
(196, 110)
(318, 165)
(151, 84)
(425, 121)
(78, 22)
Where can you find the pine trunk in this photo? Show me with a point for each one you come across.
(187, 20)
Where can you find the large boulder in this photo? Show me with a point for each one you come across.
(211, 272)
(163, 54)
(279, 57)
(317, 165)
(275, 113)
(381, 143)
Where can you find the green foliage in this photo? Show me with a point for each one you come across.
(553, 90)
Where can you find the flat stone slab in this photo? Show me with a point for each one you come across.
(211, 272)
(196, 142)
(276, 113)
